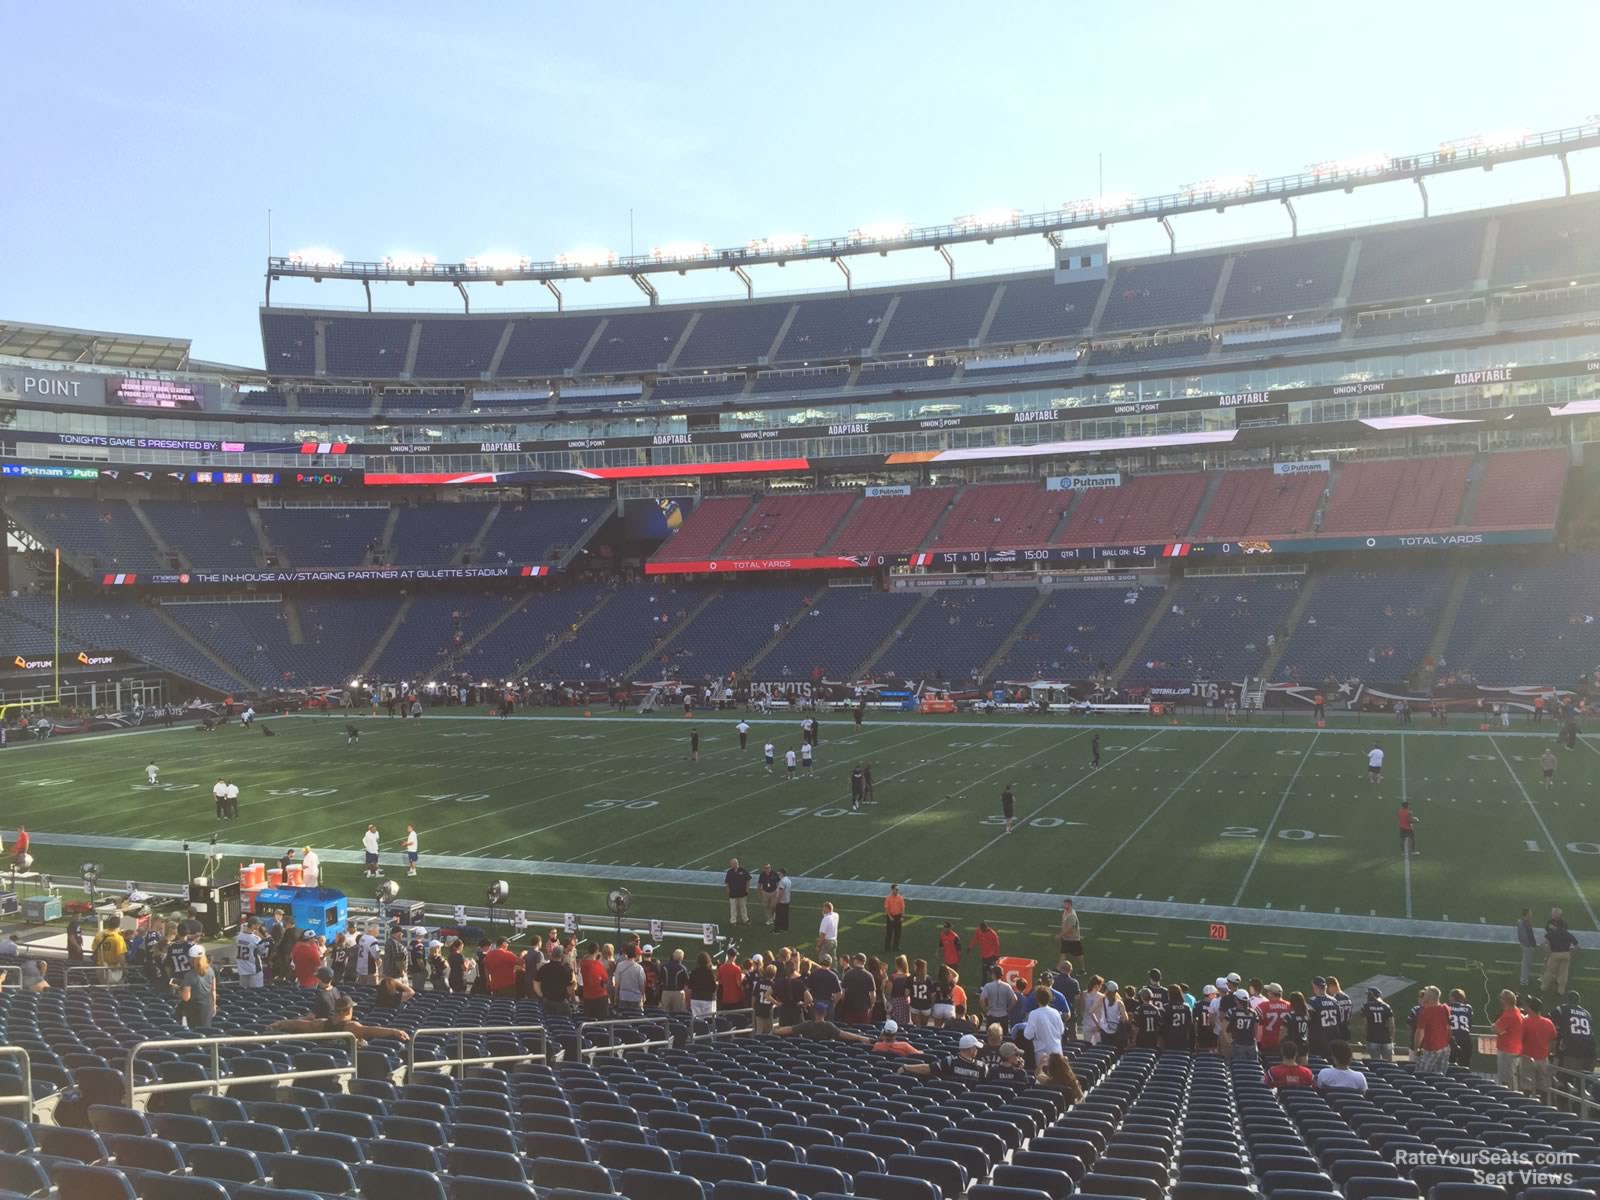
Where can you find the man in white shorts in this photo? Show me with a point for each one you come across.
(1375, 764)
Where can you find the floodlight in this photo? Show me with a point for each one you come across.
(588, 256)
(672, 251)
(989, 218)
(386, 891)
(406, 260)
(881, 231)
(316, 256)
(497, 892)
(498, 260)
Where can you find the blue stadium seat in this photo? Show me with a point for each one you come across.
(370, 1105)
(626, 1156)
(1070, 1164)
(713, 1168)
(617, 1131)
(218, 1108)
(989, 1191)
(288, 1117)
(413, 1129)
(144, 1153)
(807, 1179)
(552, 1145)
(551, 1173)
(483, 1137)
(23, 1175)
(334, 1120)
(179, 1187)
(878, 1186)
(845, 1159)
(733, 1189)
(678, 1140)
(321, 1144)
(226, 1163)
(472, 1187)
(412, 1155)
(79, 1145)
(654, 1185)
(485, 1164)
(763, 1150)
(184, 1128)
(378, 1182)
(247, 1135)
(76, 1182)
(108, 1118)
(15, 1137)
(327, 1176)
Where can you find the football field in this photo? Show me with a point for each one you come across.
(1271, 830)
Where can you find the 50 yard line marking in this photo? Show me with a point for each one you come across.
(1555, 846)
(1278, 812)
(1405, 850)
(1155, 812)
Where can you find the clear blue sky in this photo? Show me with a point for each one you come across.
(150, 140)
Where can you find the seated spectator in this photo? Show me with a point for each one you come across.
(1340, 1074)
(1056, 1072)
(1290, 1073)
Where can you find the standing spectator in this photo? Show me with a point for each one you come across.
(1113, 1016)
(596, 984)
(858, 989)
(737, 881)
(703, 988)
(628, 983)
(1071, 935)
(555, 983)
(828, 933)
(823, 984)
(1574, 1036)
(457, 963)
(1561, 944)
(1431, 1036)
(997, 997)
(110, 951)
(197, 990)
(894, 917)
(1460, 1029)
(763, 1003)
(987, 943)
(767, 885)
(1093, 1000)
(500, 967)
(945, 981)
(1045, 1028)
(305, 960)
(675, 984)
(950, 946)
(1380, 1026)
(1066, 983)
(730, 986)
(1273, 1011)
(1526, 941)
(898, 1003)
(1538, 1032)
(780, 916)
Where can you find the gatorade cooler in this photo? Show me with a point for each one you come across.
(275, 877)
(296, 876)
(1018, 972)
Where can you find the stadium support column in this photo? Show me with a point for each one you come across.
(949, 262)
(466, 300)
(648, 288)
(550, 285)
(1294, 219)
(1172, 238)
(366, 286)
(844, 269)
(1422, 186)
(744, 278)
(1566, 175)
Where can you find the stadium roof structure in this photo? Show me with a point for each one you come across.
(1484, 152)
(133, 351)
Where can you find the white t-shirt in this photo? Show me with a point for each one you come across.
(369, 841)
(366, 954)
(151, 772)
(220, 790)
(311, 869)
(1045, 1030)
(233, 791)
(247, 946)
(829, 928)
(743, 726)
(411, 841)
(1375, 757)
(1334, 1077)
(767, 750)
(805, 752)
(788, 759)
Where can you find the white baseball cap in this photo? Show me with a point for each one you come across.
(756, 958)
(1233, 977)
(197, 952)
(1210, 989)
(891, 1027)
(969, 1043)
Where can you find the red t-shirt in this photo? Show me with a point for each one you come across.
(730, 985)
(1405, 818)
(1538, 1031)
(500, 969)
(1508, 1031)
(305, 958)
(593, 973)
(1433, 1027)
(1290, 1075)
(1272, 1013)
(988, 943)
(950, 943)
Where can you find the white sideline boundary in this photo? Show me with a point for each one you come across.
(1046, 902)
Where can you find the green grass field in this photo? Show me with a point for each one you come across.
(1272, 830)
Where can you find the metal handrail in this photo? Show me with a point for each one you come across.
(135, 1090)
(621, 1048)
(1578, 1090)
(461, 1059)
(26, 1099)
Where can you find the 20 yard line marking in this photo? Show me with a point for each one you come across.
(1283, 800)
(1594, 923)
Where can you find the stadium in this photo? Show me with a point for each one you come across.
(1209, 560)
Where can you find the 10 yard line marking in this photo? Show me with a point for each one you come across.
(1300, 766)
(1405, 849)
(1155, 812)
(1594, 923)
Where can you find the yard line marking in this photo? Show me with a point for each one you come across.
(1300, 766)
(890, 828)
(1082, 778)
(1555, 846)
(1405, 850)
(1156, 811)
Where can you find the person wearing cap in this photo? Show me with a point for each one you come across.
(323, 994)
(305, 958)
(247, 955)
(1147, 1016)
(197, 990)
(964, 1064)
(1113, 1020)
(1205, 1023)
(1010, 1066)
(889, 1041)
(763, 994)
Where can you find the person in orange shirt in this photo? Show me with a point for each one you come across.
(1508, 1038)
(894, 916)
(889, 1042)
(950, 945)
(987, 943)
(730, 985)
(1538, 1031)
